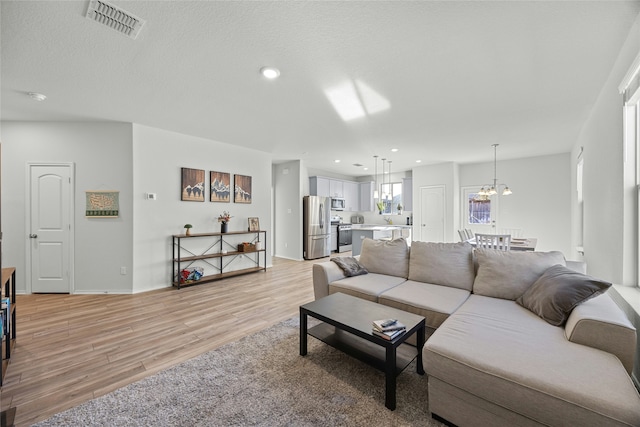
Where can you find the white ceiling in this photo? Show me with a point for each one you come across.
(457, 76)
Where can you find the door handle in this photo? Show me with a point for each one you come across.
(33, 236)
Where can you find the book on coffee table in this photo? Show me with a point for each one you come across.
(389, 335)
(385, 325)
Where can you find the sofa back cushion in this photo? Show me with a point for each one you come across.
(390, 257)
(508, 274)
(446, 264)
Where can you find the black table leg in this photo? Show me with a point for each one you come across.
(390, 379)
(303, 333)
(420, 344)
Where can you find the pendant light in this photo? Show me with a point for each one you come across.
(489, 190)
(376, 194)
(389, 180)
(383, 194)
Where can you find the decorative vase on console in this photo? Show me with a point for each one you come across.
(224, 219)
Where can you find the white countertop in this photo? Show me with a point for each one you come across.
(374, 227)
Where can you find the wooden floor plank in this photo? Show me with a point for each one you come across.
(72, 348)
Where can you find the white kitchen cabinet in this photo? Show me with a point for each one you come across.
(337, 188)
(366, 196)
(407, 194)
(351, 196)
(319, 186)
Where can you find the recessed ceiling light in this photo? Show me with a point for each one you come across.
(270, 72)
(336, 161)
(394, 150)
(37, 96)
(365, 169)
(418, 161)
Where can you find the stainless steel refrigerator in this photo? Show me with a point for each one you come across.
(316, 224)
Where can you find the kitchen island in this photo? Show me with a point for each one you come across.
(377, 232)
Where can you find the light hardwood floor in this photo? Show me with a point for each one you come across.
(72, 348)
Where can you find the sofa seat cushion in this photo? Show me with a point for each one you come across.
(367, 286)
(508, 274)
(446, 264)
(499, 351)
(434, 302)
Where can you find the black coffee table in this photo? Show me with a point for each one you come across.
(347, 323)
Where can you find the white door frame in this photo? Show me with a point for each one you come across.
(72, 170)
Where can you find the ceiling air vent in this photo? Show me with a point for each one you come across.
(357, 165)
(115, 18)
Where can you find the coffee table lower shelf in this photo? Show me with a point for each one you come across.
(361, 349)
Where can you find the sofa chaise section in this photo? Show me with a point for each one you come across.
(507, 366)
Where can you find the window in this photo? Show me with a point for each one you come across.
(630, 91)
(391, 197)
(479, 209)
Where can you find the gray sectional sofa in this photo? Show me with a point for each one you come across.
(514, 338)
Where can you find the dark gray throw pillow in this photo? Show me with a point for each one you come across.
(558, 291)
(350, 266)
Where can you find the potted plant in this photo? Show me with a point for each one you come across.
(188, 228)
(223, 219)
(399, 208)
(380, 206)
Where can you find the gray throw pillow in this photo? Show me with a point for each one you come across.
(390, 257)
(508, 274)
(558, 291)
(350, 266)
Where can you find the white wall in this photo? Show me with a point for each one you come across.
(288, 182)
(604, 205)
(102, 156)
(133, 159)
(541, 201)
(445, 174)
(158, 156)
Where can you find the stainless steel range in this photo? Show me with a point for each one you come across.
(344, 237)
(344, 233)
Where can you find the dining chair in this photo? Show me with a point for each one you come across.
(463, 235)
(469, 233)
(514, 232)
(501, 242)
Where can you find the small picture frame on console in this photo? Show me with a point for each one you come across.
(254, 224)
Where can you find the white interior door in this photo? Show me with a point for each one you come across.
(432, 214)
(50, 218)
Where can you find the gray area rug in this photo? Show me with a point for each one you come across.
(260, 380)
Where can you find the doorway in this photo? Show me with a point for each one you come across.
(50, 209)
(432, 208)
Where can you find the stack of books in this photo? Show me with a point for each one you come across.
(388, 328)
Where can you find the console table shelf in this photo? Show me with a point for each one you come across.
(8, 291)
(217, 252)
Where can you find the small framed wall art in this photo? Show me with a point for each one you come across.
(192, 189)
(220, 186)
(241, 189)
(103, 204)
(254, 223)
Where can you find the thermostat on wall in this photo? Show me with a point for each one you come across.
(152, 196)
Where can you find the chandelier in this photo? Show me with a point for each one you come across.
(490, 190)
